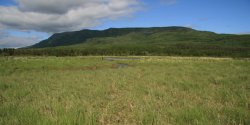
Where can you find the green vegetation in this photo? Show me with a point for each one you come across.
(164, 41)
(151, 90)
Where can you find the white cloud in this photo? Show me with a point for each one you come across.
(190, 26)
(243, 33)
(63, 15)
(3, 34)
(9, 41)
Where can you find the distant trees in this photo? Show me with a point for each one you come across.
(7, 51)
(170, 50)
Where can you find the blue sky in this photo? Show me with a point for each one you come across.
(221, 16)
(26, 22)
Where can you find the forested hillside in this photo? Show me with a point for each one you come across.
(178, 41)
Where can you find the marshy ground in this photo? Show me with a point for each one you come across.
(143, 90)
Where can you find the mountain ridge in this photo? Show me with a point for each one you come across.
(62, 39)
(170, 41)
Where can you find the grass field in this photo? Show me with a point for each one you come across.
(151, 90)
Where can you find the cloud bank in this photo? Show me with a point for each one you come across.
(63, 15)
(10, 41)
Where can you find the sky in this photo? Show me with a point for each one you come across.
(26, 22)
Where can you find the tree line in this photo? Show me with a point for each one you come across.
(175, 50)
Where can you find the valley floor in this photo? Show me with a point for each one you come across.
(142, 90)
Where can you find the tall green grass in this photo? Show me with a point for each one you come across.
(152, 90)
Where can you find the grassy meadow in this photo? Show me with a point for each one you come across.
(145, 91)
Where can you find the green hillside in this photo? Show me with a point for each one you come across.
(70, 38)
(170, 41)
(157, 36)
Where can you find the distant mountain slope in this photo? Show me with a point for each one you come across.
(70, 38)
(148, 36)
(166, 38)
(143, 41)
